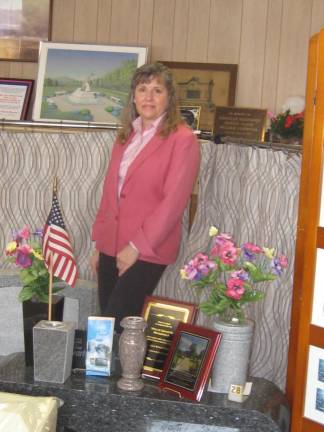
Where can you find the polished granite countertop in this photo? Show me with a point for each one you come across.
(93, 404)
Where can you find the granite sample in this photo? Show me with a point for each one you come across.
(95, 404)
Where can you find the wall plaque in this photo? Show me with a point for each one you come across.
(162, 316)
(248, 123)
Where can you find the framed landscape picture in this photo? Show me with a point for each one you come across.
(23, 24)
(189, 362)
(84, 83)
(15, 97)
(207, 85)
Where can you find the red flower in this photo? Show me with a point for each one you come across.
(289, 121)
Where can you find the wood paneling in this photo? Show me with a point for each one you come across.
(317, 16)
(225, 31)
(295, 35)
(162, 30)
(85, 21)
(181, 30)
(63, 20)
(124, 22)
(198, 27)
(251, 61)
(104, 20)
(145, 22)
(271, 55)
(268, 39)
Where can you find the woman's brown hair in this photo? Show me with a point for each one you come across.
(145, 74)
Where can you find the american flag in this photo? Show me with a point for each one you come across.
(56, 244)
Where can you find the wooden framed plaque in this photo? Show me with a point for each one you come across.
(162, 316)
(248, 123)
(190, 359)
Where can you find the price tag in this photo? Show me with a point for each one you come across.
(235, 393)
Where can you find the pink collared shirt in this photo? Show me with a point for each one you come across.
(138, 142)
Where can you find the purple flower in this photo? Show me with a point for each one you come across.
(23, 260)
(250, 250)
(240, 274)
(38, 232)
(198, 267)
(276, 266)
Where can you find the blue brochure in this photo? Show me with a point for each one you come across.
(99, 345)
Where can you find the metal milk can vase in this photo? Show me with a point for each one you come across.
(132, 349)
(231, 363)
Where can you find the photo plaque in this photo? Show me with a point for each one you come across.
(188, 364)
(162, 316)
(248, 123)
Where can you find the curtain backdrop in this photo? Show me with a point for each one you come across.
(249, 192)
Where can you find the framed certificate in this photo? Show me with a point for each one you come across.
(15, 97)
(190, 360)
(162, 316)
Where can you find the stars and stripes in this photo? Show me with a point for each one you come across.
(57, 246)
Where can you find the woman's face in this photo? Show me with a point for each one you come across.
(151, 100)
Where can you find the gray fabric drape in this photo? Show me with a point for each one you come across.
(251, 193)
(29, 162)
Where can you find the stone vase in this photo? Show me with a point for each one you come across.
(33, 312)
(132, 349)
(231, 363)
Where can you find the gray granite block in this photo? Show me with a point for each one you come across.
(11, 319)
(53, 350)
(71, 311)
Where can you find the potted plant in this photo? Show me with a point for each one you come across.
(228, 278)
(25, 252)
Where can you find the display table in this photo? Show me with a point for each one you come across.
(93, 404)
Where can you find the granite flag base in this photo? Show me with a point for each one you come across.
(53, 351)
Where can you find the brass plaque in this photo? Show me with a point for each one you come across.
(162, 317)
(248, 123)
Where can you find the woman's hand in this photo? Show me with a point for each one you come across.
(126, 258)
(94, 261)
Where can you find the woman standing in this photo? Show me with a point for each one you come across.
(153, 167)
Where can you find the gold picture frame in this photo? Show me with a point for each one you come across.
(191, 115)
(207, 85)
(23, 24)
(162, 316)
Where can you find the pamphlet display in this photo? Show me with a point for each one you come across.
(99, 345)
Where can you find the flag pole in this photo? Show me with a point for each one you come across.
(50, 287)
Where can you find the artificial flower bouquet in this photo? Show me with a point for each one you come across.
(230, 273)
(287, 125)
(25, 252)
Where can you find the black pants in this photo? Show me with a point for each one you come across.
(124, 296)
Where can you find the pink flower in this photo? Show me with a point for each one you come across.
(235, 288)
(198, 267)
(228, 254)
(283, 261)
(22, 234)
(222, 242)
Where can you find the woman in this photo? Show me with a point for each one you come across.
(153, 167)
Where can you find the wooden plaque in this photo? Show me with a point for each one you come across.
(248, 123)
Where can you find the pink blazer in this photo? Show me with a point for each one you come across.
(154, 195)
